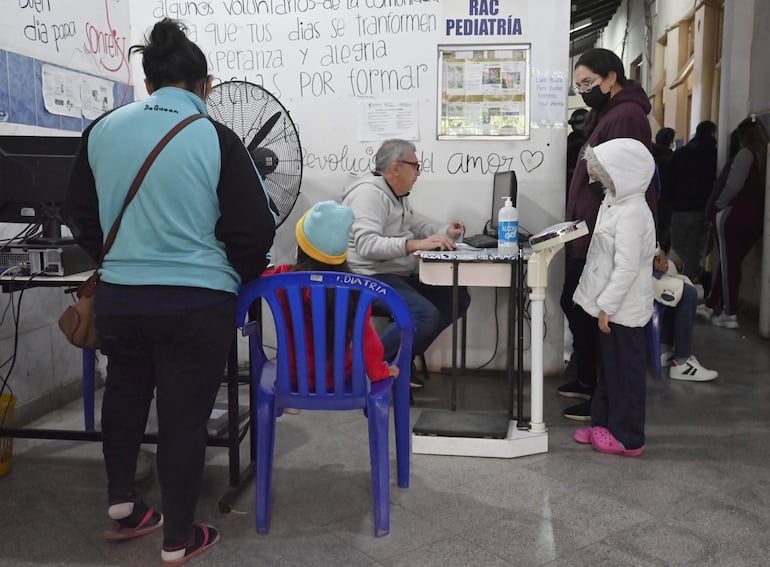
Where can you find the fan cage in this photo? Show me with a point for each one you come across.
(245, 108)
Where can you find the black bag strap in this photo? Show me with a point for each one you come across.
(138, 181)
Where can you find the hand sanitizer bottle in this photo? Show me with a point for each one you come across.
(508, 228)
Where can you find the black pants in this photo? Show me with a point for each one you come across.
(620, 398)
(585, 331)
(182, 358)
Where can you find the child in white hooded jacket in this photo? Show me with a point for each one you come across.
(616, 288)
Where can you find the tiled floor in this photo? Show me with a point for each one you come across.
(700, 494)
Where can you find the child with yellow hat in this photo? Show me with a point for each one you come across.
(322, 245)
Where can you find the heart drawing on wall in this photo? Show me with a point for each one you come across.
(531, 160)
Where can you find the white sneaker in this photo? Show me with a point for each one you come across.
(691, 370)
(666, 358)
(725, 320)
(704, 312)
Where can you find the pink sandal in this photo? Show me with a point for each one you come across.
(205, 537)
(605, 442)
(151, 522)
(583, 435)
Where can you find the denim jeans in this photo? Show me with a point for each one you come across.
(430, 307)
(676, 327)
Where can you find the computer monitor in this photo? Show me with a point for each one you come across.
(34, 171)
(504, 185)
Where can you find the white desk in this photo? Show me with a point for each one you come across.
(482, 268)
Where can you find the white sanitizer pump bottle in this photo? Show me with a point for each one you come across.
(508, 228)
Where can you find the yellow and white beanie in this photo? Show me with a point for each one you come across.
(322, 232)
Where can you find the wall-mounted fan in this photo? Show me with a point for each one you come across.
(268, 132)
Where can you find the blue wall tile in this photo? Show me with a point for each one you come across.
(22, 89)
(5, 100)
(21, 94)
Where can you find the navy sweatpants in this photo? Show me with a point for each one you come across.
(738, 230)
(620, 398)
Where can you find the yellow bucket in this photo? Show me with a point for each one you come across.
(7, 403)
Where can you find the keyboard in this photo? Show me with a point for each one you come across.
(480, 241)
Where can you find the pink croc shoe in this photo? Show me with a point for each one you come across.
(605, 442)
(583, 435)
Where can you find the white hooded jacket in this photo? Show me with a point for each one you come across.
(617, 277)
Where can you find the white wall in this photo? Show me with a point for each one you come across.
(456, 178)
(328, 125)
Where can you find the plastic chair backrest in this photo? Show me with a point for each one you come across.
(293, 297)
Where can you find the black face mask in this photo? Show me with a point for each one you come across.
(595, 98)
(597, 189)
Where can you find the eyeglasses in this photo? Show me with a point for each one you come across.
(587, 85)
(414, 164)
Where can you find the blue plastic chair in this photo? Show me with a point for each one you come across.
(272, 379)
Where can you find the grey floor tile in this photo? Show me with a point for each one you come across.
(700, 494)
(408, 532)
(451, 552)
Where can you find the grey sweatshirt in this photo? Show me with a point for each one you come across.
(739, 173)
(384, 222)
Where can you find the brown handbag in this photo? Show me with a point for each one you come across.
(77, 322)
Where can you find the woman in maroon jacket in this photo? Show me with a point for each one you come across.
(619, 109)
(739, 220)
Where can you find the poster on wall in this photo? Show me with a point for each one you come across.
(483, 92)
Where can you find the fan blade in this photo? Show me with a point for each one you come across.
(264, 131)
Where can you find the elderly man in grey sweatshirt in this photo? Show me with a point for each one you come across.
(387, 232)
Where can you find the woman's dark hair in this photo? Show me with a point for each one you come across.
(705, 129)
(602, 61)
(307, 264)
(665, 137)
(753, 136)
(169, 57)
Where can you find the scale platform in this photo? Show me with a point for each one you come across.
(445, 423)
(471, 434)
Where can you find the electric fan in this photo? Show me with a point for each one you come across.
(268, 132)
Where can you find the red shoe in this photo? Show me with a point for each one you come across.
(583, 435)
(605, 442)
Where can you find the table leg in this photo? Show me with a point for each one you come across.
(89, 363)
(511, 341)
(455, 310)
(238, 477)
(521, 421)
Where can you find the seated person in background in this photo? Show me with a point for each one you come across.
(386, 233)
(322, 243)
(680, 297)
